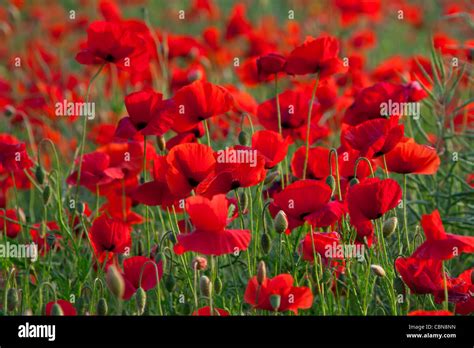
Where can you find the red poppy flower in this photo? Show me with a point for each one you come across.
(147, 113)
(237, 166)
(440, 245)
(318, 163)
(328, 215)
(199, 101)
(315, 56)
(409, 157)
(430, 313)
(136, 267)
(210, 237)
(325, 244)
(351, 11)
(188, 165)
(466, 305)
(294, 108)
(372, 198)
(206, 312)
(13, 155)
(114, 42)
(270, 64)
(237, 24)
(110, 235)
(11, 229)
(271, 145)
(300, 199)
(95, 170)
(41, 239)
(421, 276)
(375, 137)
(67, 307)
(292, 298)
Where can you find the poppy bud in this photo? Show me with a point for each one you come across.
(194, 75)
(39, 174)
(172, 237)
(275, 301)
(378, 270)
(243, 138)
(12, 299)
(271, 176)
(56, 310)
(472, 277)
(160, 140)
(243, 201)
(79, 304)
(81, 207)
(199, 263)
(331, 181)
(218, 285)
(170, 283)
(280, 222)
(354, 181)
(261, 272)
(27, 312)
(115, 282)
(399, 286)
(50, 239)
(102, 307)
(266, 243)
(205, 286)
(140, 298)
(159, 258)
(46, 194)
(389, 226)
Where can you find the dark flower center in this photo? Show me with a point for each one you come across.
(193, 182)
(109, 58)
(140, 125)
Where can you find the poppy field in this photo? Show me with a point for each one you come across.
(236, 158)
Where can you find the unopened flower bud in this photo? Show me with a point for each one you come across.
(199, 263)
(205, 286)
(39, 174)
(243, 201)
(46, 194)
(102, 307)
(354, 181)
(389, 226)
(12, 299)
(261, 272)
(140, 297)
(160, 140)
(378, 270)
(115, 282)
(170, 283)
(280, 222)
(50, 239)
(266, 243)
(331, 181)
(243, 138)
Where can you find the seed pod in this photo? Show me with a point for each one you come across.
(275, 301)
(261, 272)
(399, 286)
(56, 310)
(389, 226)
(170, 283)
(378, 270)
(271, 176)
(243, 138)
(280, 222)
(331, 181)
(12, 299)
(266, 243)
(39, 174)
(115, 282)
(243, 201)
(354, 181)
(46, 194)
(218, 285)
(102, 307)
(160, 140)
(140, 297)
(205, 286)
